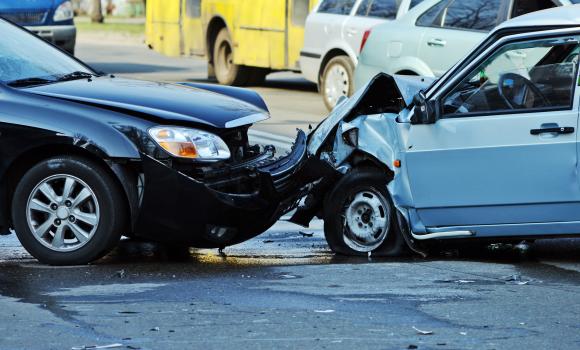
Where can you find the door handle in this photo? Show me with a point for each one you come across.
(437, 42)
(556, 130)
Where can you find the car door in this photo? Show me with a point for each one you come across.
(457, 26)
(368, 14)
(491, 160)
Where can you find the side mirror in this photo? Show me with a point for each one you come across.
(425, 111)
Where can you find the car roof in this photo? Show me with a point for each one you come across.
(554, 17)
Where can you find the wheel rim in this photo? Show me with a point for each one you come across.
(366, 221)
(336, 83)
(225, 58)
(63, 213)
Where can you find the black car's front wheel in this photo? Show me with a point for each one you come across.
(359, 216)
(68, 211)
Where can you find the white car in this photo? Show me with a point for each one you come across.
(334, 32)
(430, 38)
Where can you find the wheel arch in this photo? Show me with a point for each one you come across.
(330, 55)
(215, 25)
(121, 173)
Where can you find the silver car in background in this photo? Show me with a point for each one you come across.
(333, 35)
(431, 37)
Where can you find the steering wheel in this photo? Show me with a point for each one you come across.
(524, 83)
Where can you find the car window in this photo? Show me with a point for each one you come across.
(379, 8)
(521, 7)
(432, 17)
(472, 14)
(300, 11)
(417, 2)
(337, 7)
(534, 75)
(193, 8)
(24, 56)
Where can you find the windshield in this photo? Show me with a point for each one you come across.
(26, 57)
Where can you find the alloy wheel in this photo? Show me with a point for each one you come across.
(62, 212)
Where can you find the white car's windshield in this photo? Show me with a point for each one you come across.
(27, 60)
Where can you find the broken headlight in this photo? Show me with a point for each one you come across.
(190, 143)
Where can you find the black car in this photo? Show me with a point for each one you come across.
(86, 158)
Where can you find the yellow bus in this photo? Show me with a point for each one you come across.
(243, 40)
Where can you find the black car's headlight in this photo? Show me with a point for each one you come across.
(190, 143)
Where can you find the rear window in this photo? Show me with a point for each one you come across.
(379, 8)
(417, 2)
(432, 18)
(472, 14)
(521, 7)
(337, 7)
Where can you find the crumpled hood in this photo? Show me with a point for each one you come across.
(8, 6)
(383, 94)
(170, 102)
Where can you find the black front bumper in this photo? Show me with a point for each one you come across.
(208, 213)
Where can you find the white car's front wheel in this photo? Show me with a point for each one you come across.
(337, 80)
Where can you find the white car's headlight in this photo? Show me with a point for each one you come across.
(64, 12)
(190, 143)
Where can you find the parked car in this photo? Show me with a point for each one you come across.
(333, 34)
(436, 34)
(487, 151)
(51, 20)
(88, 157)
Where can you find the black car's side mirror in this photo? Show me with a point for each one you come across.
(425, 111)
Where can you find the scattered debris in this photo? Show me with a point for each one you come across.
(463, 333)
(516, 279)
(154, 329)
(268, 241)
(412, 346)
(120, 274)
(422, 332)
(306, 234)
(90, 347)
(288, 276)
(324, 311)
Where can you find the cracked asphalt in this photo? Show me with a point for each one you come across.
(284, 289)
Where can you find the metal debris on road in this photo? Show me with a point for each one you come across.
(306, 234)
(91, 347)
(422, 332)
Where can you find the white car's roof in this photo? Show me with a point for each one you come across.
(558, 16)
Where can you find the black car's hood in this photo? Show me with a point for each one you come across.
(170, 102)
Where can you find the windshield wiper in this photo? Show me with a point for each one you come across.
(29, 82)
(75, 76)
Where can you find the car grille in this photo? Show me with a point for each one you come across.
(25, 18)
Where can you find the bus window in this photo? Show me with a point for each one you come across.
(300, 12)
(193, 8)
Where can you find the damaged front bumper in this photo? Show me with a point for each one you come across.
(228, 205)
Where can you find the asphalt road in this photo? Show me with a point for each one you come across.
(284, 289)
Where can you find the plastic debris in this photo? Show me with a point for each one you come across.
(120, 274)
(324, 311)
(422, 332)
(306, 234)
(154, 329)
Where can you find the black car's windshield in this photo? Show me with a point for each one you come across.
(26, 60)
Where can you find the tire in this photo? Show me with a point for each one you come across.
(89, 228)
(361, 199)
(337, 80)
(226, 72)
